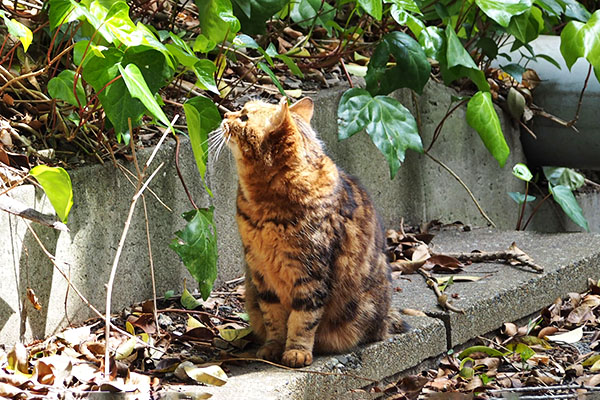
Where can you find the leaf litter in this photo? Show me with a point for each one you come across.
(188, 349)
(553, 356)
(195, 345)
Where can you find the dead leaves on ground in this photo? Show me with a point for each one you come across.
(557, 353)
(187, 348)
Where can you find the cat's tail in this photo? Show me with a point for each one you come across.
(397, 324)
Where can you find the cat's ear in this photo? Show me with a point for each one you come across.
(282, 114)
(304, 108)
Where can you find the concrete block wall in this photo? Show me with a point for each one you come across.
(422, 191)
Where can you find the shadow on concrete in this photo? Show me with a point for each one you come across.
(36, 272)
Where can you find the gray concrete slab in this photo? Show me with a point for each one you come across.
(334, 376)
(506, 293)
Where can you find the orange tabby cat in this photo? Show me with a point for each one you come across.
(316, 276)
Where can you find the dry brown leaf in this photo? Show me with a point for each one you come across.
(33, 299)
(547, 331)
(573, 336)
(442, 263)
(413, 312)
(509, 329)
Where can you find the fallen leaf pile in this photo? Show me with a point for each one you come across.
(556, 355)
(186, 348)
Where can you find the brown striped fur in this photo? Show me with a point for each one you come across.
(317, 277)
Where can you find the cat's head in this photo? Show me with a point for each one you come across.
(261, 131)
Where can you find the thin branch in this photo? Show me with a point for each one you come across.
(151, 264)
(441, 297)
(585, 83)
(483, 214)
(19, 209)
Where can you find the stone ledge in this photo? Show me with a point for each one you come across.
(504, 294)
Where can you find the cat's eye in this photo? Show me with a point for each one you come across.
(244, 118)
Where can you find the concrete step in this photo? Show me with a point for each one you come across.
(504, 293)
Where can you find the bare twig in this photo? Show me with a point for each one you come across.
(19, 209)
(585, 83)
(483, 214)
(441, 297)
(512, 254)
(151, 264)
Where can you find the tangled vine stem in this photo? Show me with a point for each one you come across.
(464, 185)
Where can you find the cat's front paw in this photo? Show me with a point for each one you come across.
(297, 358)
(271, 351)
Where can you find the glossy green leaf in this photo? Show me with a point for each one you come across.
(18, 30)
(521, 171)
(574, 9)
(514, 70)
(407, 5)
(188, 301)
(389, 124)
(524, 351)
(56, 183)
(567, 201)
(61, 87)
(552, 7)
(305, 12)
(253, 14)
(118, 104)
(519, 198)
(480, 349)
(456, 54)
(202, 44)
(138, 89)
(196, 244)
(412, 67)
(373, 7)
(217, 20)
(62, 12)
(526, 27)
(268, 71)
(205, 73)
(405, 18)
(564, 176)
(502, 11)
(289, 62)
(581, 40)
(431, 40)
(202, 117)
(482, 117)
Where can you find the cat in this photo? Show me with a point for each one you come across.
(316, 274)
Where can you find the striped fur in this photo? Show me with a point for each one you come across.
(316, 276)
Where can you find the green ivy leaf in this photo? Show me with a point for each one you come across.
(482, 117)
(389, 124)
(56, 183)
(502, 11)
(304, 12)
(575, 10)
(203, 44)
(521, 171)
(196, 244)
(564, 176)
(526, 27)
(205, 70)
(519, 198)
(582, 40)
(18, 30)
(202, 117)
(217, 20)
(480, 349)
(432, 41)
(552, 7)
(118, 104)
(412, 67)
(253, 14)
(514, 70)
(373, 7)
(407, 5)
(138, 89)
(188, 301)
(61, 87)
(63, 12)
(567, 201)
(268, 71)
(456, 62)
